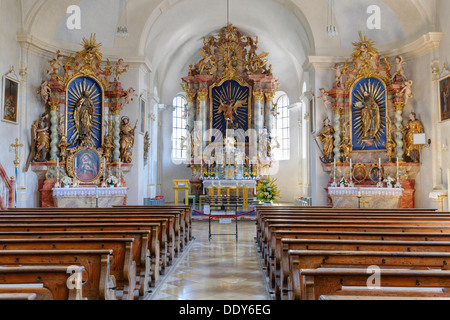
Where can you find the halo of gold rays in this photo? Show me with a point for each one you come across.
(227, 93)
(377, 90)
(74, 95)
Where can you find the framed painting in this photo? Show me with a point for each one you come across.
(375, 173)
(86, 166)
(444, 98)
(10, 99)
(142, 106)
(359, 173)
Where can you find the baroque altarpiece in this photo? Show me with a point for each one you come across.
(370, 151)
(80, 141)
(230, 110)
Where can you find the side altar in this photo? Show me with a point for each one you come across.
(369, 151)
(81, 146)
(230, 113)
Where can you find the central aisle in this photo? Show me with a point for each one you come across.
(222, 269)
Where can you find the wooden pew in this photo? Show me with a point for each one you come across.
(141, 253)
(37, 289)
(123, 268)
(282, 270)
(312, 259)
(100, 284)
(52, 277)
(107, 226)
(393, 292)
(165, 236)
(17, 296)
(343, 298)
(318, 282)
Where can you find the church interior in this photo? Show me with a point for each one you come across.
(224, 149)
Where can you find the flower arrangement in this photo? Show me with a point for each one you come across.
(205, 174)
(267, 190)
(343, 182)
(253, 175)
(389, 181)
(246, 175)
(213, 174)
(112, 180)
(66, 180)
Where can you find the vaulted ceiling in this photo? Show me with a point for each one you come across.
(169, 32)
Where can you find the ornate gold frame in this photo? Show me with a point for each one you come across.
(221, 81)
(70, 165)
(376, 165)
(355, 168)
(351, 111)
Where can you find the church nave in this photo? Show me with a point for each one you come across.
(222, 269)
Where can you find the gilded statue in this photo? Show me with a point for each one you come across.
(108, 146)
(370, 116)
(346, 146)
(41, 138)
(390, 143)
(126, 140)
(83, 115)
(326, 136)
(230, 108)
(413, 127)
(63, 144)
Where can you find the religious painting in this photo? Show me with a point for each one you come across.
(359, 173)
(10, 100)
(230, 107)
(86, 166)
(84, 113)
(375, 173)
(142, 106)
(444, 98)
(368, 115)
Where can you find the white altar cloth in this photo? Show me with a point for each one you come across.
(86, 197)
(251, 184)
(377, 198)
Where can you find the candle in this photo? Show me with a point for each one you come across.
(96, 192)
(397, 166)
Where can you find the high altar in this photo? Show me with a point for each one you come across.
(230, 110)
(81, 146)
(371, 153)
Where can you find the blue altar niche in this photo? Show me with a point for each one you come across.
(368, 115)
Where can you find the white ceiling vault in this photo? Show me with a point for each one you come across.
(168, 33)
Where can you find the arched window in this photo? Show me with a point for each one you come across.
(179, 128)
(281, 130)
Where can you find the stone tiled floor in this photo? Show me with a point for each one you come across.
(220, 269)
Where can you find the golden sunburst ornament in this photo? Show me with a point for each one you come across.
(91, 50)
(364, 49)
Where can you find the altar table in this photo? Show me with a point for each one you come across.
(86, 197)
(377, 198)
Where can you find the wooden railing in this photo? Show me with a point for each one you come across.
(6, 190)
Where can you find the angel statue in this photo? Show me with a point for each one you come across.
(56, 63)
(229, 109)
(407, 91)
(324, 98)
(339, 70)
(63, 144)
(44, 91)
(399, 75)
(208, 63)
(118, 69)
(130, 93)
(83, 115)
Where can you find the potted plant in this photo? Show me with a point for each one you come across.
(343, 182)
(111, 181)
(389, 182)
(267, 191)
(66, 181)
